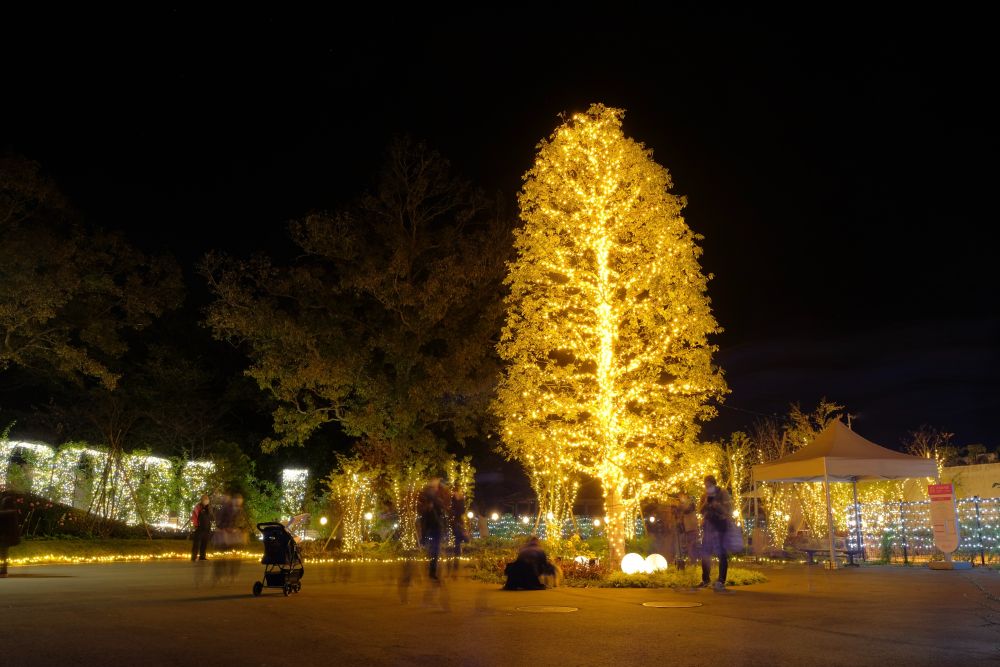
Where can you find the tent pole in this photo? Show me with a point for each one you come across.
(757, 532)
(829, 516)
(857, 521)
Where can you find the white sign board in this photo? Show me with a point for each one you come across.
(944, 519)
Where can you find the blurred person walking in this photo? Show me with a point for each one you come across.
(687, 525)
(432, 522)
(715, 507)
(10, 532)
(231, 534)
(662, 529)
(201, 525)
(459, 532)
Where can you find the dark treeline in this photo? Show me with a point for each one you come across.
(373, 329)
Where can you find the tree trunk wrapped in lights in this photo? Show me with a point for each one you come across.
(406, 484)
(556, 491)
(352, 488)
(609, 367)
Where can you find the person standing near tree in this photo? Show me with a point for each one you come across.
(201, 525)
(432, 522)
(716, 508)
(661, 530)
(687, 525)
(459, 533)
(10, 533)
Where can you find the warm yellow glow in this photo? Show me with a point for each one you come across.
(633, 564)
(655, 563)
(469, 515)
(495, 517)
(352, 487)
(606, 341)
(323, 520)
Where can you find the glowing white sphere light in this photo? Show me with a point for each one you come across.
(495, 516)
(633, 563)
(322, 520)
(655, 563)
(368, 516)
(469, 515)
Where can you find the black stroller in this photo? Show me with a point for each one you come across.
(282, 563)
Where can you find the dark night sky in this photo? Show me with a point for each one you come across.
(844, 177)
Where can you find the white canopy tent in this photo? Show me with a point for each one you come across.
(838, 454)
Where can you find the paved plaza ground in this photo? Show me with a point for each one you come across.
(181, 613)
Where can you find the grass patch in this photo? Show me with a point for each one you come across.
(687, 578)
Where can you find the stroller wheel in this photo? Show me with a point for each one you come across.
(257, 588)
(298, 587)
(287, 589)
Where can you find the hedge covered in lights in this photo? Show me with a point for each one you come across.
(139, 488)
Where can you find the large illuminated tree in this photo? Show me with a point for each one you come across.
(609, 366)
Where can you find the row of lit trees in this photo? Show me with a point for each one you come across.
(387, 323)
(359, 492)
(400, 312)
(382, 327)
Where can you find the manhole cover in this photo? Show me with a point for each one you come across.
(671, 605)
(543, 609)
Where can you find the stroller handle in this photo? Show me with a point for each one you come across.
(269, 524)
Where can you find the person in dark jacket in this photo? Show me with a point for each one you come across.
(10, 533)
(526, 571)
(687, 525)
(456, 515)
(715, 508)
(432, 522)
(201, 524)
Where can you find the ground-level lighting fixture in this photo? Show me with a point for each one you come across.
(652, 519)
(322, 520)
(633, 564)
(655, 563)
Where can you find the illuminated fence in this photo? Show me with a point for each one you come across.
(902, 531)
(142, 488)
(895, 532)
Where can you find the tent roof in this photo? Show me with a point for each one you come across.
(844, 456)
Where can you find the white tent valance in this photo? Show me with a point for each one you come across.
(841, 455)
